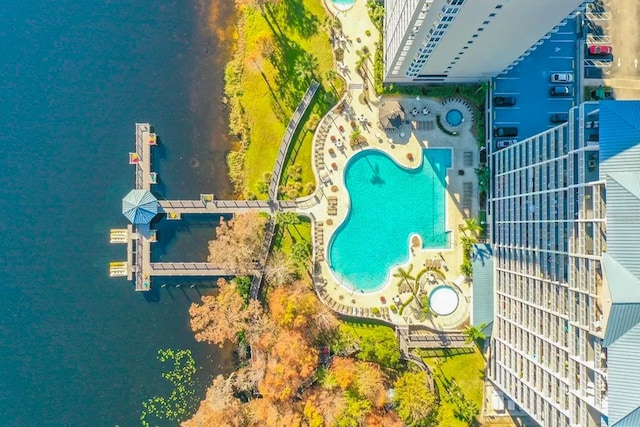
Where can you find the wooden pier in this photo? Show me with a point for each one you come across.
(139, 237)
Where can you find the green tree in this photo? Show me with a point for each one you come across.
(415, 402)
(483, 175)
(287, 219)
(426, 308)
(405, 276)
(466, 268)
(243, 285)
(474, 333)
(472, 226)
(355, 409)
(301, 252)
(381, 348)
(305, 66)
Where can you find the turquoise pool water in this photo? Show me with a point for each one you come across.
(343, 4)
(454, 117)
(389, 203)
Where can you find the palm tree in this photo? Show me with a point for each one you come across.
(305, 67)
(330, 74)
(405, 275)
(287, 219)
(474, 333)
(472, 226)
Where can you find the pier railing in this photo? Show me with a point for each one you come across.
(139, 246)
(288, 137)
(256, 280)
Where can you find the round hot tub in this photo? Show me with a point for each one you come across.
(443, 300)
(454, 117)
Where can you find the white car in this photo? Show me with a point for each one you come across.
(562, 77)
(504, 143)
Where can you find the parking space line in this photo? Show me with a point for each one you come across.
(561, 57)
(507, 78)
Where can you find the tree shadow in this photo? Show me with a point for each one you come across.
(299, 17)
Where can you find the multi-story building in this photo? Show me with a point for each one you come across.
(463, 40)
(566, 244)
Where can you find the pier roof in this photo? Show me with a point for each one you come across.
(139, 206)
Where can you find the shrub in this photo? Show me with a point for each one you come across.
(339, 52)
(375, 311)
(367, 33)
(393, 308)
(466, 268)
(312, 123)
(404, 304)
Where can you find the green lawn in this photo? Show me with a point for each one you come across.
(468, 371)
(270, 88)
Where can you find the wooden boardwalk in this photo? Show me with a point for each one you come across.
(140, 237)
(432, 340)
(202, 269)
(276, 176)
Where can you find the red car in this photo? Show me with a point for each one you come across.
(600, 50)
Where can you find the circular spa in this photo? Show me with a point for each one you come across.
(454, 117)
(343, 4)
(443, 300)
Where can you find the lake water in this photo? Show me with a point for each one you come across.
(78, 348)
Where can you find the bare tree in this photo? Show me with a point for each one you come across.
(238, 242)
(279, 270)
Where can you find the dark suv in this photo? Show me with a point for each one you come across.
(561, 91)
(505, 131)
(504, 101)
(559, 118)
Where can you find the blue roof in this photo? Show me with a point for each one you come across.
(620, 169)
(619, 128)
(623, 371)
(632, 419)
(482, 297)
(139, 206)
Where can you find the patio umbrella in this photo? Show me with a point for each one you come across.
(391, 114)
(139, 206)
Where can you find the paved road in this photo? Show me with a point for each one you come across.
(620, 31)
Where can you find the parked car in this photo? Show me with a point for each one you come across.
(503, 143)
(600, 50)
(562, 77)
(504, 101)
(505, 131)
(559, 117)
(561, 91)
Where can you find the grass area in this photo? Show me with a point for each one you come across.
(361, 330)
(467, 368)
(295, 233)
(281, 47)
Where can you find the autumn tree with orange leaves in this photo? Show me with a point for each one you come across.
(223, 316)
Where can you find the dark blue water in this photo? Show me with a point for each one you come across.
(78, 348)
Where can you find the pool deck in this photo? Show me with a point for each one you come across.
(332, 151)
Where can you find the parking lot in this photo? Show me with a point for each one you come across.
(529, 82)
(596, 30)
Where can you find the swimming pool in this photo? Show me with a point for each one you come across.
(343, 4)
(389, 203)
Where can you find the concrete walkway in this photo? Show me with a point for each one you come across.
(419, 130)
